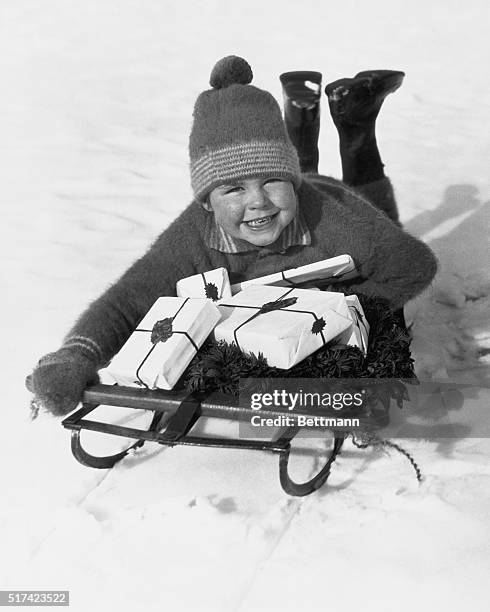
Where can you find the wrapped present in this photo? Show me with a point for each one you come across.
(334, 269)
(214, 285)
(358, 333)
(285, 325)
(164, 343)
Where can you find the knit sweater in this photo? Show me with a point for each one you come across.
(391, 263)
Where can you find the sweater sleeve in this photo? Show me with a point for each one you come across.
(392, 264)
(108, 322)
(399, 266)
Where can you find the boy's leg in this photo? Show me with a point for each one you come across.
(302, 91)
(354, 106)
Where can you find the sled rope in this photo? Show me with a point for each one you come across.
(373, 440)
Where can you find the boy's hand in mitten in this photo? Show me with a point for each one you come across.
(60, 378)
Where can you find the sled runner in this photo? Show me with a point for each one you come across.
(174, 416)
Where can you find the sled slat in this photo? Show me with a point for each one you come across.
(117, 430)
(216, 405)
(130, 397)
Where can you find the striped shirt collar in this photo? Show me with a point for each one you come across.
(294, 234)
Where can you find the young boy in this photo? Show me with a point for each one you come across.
(255, 213)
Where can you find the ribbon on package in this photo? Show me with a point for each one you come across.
(289, 281)
(161, 332)
(360, 320)
(282, 303)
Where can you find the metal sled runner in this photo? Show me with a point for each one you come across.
(174, 416)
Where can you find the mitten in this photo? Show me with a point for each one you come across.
(59, 379)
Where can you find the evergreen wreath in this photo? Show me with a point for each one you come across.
(218, 366)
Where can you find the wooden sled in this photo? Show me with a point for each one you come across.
(174, 416)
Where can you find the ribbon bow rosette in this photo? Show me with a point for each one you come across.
(285, 325)
(164, 343)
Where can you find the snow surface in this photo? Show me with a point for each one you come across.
(95, 113)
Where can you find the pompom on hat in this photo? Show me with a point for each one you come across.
(238, 132)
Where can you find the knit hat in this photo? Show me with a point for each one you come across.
(238, 132)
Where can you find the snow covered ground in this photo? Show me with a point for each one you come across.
(95, 114)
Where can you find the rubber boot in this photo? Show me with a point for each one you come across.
(354, 105)
(302, 91)
(358, 101)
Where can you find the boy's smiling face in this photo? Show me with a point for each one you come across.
(255, 210)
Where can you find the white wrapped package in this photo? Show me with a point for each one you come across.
(214, 285)
(358, 333)
(292, 324)
(164, 343)
(334, 269)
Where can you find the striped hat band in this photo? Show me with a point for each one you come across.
(256, 158)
